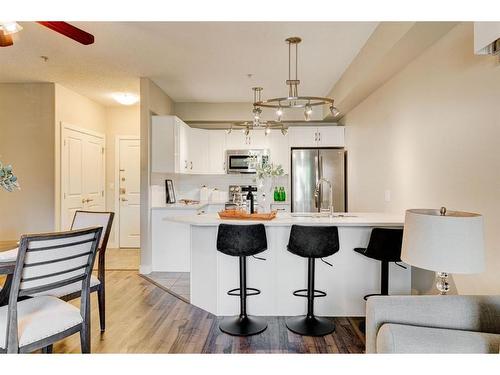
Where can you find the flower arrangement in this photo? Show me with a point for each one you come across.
(8, 181)
(265, 170)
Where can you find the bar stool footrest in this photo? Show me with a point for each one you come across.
(237, 292)
(303, 293)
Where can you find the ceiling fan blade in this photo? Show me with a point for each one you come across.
(70, 31)
(5, 40)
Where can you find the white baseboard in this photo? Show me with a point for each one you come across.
(145, 269)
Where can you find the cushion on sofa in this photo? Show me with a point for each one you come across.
(401, 338)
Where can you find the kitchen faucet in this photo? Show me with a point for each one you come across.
(316, 194)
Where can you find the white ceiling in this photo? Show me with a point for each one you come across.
(190, 61)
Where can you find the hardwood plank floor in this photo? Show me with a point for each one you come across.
(143, 318)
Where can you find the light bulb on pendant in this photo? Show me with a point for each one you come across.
(247, 131)
(284, 131)
(279, 113)
(308, 111)
(268, 131)
(256, 113)
(334, 111)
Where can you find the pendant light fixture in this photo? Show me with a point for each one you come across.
(293, 99)
(257, 122)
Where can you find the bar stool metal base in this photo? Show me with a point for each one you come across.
(242, 325)
(310, 325)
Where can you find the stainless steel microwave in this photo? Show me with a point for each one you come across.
(243, 161)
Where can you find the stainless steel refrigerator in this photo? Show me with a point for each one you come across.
(309, 165)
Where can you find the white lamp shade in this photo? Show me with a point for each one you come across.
(452, 243)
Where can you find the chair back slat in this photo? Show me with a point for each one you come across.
(86, 219)
(52, 261)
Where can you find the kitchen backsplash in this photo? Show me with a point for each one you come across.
(188, 186)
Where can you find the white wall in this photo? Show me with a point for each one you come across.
(27, 142)
(77, 110)
(153, 102)
(431, 135)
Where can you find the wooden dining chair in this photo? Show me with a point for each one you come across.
(85, 219)
(45, 262)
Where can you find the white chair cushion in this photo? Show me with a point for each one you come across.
(68, 289)
(39, 318)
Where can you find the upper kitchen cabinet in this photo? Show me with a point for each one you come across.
(166, 148)
(322, 136)
(178, 148)
(279, 148)
(237, 140)
(216, 151)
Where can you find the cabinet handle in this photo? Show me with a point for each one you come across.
(319, 134)
(191, 165)
(185, 164)
(316, 137)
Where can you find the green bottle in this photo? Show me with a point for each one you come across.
(282, 194)
(276, 194)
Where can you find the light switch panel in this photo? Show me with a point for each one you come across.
(387, 195)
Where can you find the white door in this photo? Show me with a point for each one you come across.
(82, 174)
(129, 189)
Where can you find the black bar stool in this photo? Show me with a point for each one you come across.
(385, 246)
(311, 243)
(242, 241)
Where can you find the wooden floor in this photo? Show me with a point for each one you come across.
(142, 318)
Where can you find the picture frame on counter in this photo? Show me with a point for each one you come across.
(170, 192)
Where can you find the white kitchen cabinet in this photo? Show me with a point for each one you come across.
(165, 147)
(256, 139)
(182, 142)
(237, 140)
(216, 151)
(322, 136)
(279, 148)
(331, 136)
(197, 151)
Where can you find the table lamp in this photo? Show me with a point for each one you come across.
(443, 241)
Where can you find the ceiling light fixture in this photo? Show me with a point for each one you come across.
(294, 100)
(125, 98)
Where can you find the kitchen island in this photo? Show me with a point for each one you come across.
(351, 277)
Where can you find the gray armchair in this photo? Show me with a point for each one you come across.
(433, 324)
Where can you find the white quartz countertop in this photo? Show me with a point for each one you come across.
(183, 206)
(287, 219)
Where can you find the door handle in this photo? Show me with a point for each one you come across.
(124, 200)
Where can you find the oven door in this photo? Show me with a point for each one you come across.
(239, 163)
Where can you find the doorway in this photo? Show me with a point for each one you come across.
(128, 182)
(82, 172)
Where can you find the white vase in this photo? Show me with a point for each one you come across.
(265, 187)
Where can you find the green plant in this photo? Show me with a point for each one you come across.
(265, 170)
(8, 181)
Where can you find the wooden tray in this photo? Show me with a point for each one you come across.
(242, 215)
